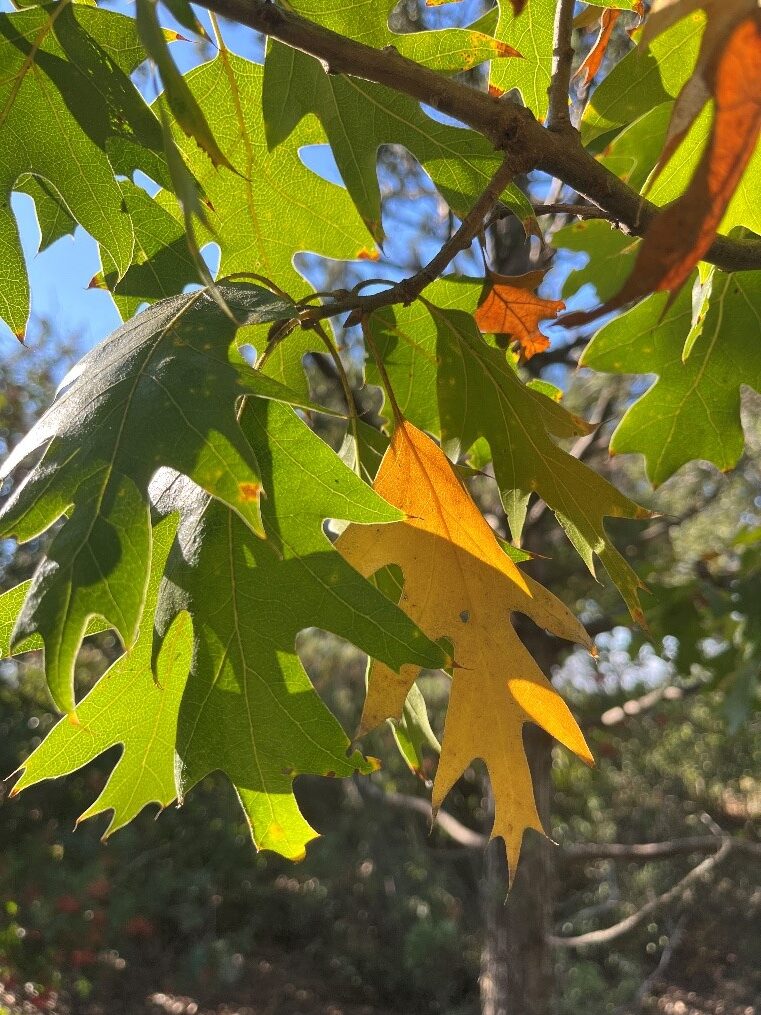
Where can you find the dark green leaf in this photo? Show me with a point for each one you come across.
(161, 391)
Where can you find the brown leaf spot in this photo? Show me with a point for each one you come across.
(249, 491)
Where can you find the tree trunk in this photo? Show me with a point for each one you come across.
(516, 965)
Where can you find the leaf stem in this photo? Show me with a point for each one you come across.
(378, 359)
(351, 403)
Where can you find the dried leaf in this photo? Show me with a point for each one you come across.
(722, 17)
(512, 307)
(681, 234)
(591, 64)
(460, 585)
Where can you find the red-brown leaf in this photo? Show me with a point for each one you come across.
(683, 231)
(591, 64)
(511, 307)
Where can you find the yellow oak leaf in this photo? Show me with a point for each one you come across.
(459, 584)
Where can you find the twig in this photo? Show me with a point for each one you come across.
(646, 851)
(636, 706)
(446, 822)
(408, 290)
(608, 934)
(582, 211)
(573, 852)
(675, 939)
(558, 116)
(511, 128)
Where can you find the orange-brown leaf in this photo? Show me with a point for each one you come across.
(459, 584)
(511, 307)
(591, 64)
(683, 231)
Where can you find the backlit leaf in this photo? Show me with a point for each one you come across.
(127, 707)
(496, 685)
(459, 161)
(512, 308)
(682, 232)
(73, 61)
(693, 409)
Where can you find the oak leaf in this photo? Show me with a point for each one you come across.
(512, 307)
(460, 585)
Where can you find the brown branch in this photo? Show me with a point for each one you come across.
(558, 115)
(511, 128)
(572, 852)
(446, 822)
(636, 706)
(608, 934)
(644, 851)
(582, 211)
(408, 290)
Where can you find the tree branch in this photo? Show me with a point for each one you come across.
(572, 852)
(582, 211)
(409, 289)
(583, 851)
(608, 934)
(558, 116)
(511, 128)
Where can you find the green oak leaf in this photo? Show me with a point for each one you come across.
(635, 151)
(130, 708)
(11, 603)
(642, 80)
(160, 391)
(273, 206)
(10, 607)
(531, 34)
(413, 732)
(185, 109)
(693, 409)
(162, 264)
(72, 118)
(53, 217)
(249, 709)
(459, 161)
